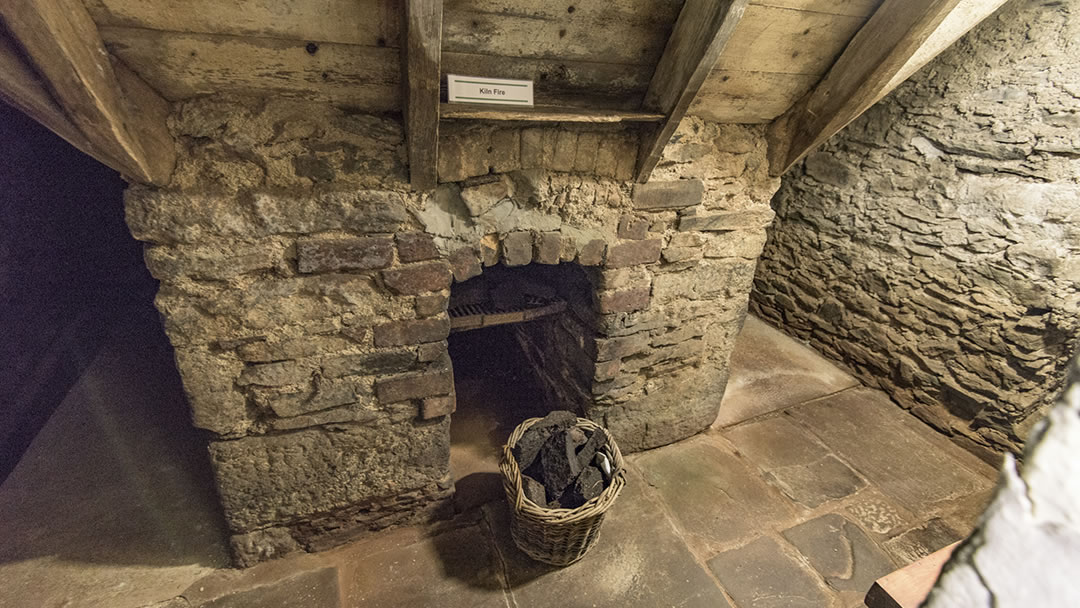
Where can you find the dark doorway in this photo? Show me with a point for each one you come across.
(521, 347)
(68, 269)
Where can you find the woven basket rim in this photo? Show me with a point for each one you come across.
(593, 507)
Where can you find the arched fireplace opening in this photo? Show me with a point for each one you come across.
(522, 344)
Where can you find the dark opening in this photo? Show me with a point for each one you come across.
(522, 345)
(68, 268)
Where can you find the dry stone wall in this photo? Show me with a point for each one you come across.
(932, 246)
(305, 288)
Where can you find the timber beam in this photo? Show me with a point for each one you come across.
(421, 58)
(699, 36)
(898, 39)
(122, 120)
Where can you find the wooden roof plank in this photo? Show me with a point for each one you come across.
(898, 39)
(421, 56)
(181, 66)
(124, 120)
(738, 97)
(700, 34)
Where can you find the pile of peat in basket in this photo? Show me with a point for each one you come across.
(562, 466)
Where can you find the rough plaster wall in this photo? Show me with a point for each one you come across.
(1025, 550)
(932, 246)
(304, 287)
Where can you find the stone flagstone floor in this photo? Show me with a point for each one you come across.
(807, 489)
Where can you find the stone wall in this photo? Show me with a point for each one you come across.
(932, 246)
(305, 290)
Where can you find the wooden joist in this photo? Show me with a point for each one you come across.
(421, 58)
(21, 87)
(544, 114)
(897, 40)
(121, 118)
(698, 38)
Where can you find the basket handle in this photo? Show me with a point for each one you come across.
(511, 463)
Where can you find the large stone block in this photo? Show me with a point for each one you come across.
(209, 381)
(331, 255)
(416, 386)
(668, 195)
(588, 145)
(632, 227)
(265, 351)
(565, 151)
(737, 243)
(261, 545)
(728, 220)
(624, 301)
(418, 278)
(430, 305)
(607, 163)
(616, 348)
(678, 406)
(281, 478)
(406, 332)
(278, 373)
(415, 247)
(534, 155)
(592, 253)
(548, 248)
(517, 248)
(296, 403)
(633, 253)
(391, 361)
(465, 264)
(480, 199)
(217, 262)
(434, 407)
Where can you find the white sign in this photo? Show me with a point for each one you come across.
(499, 91)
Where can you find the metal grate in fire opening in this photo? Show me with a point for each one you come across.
(486, 314)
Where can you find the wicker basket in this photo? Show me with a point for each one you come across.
(558, 537)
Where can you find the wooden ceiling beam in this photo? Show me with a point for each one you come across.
(898, 39)
(121, 118)
(698, 38)
(421, 59)
(22, 88)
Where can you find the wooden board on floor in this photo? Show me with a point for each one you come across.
(909, 586)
